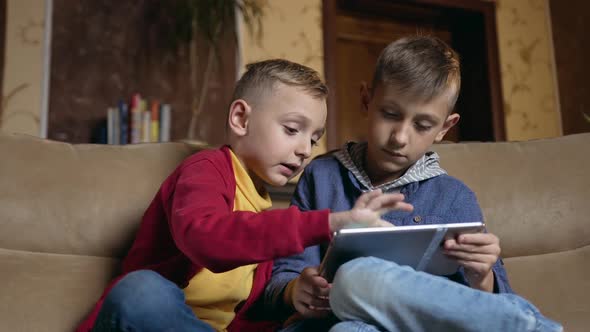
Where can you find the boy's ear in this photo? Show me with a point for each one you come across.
(239, 115)
(449, 123)
(365, 98)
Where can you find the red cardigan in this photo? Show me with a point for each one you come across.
(191, 225)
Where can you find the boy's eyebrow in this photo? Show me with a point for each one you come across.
(421, 116)
(297, 115)
(427, 117)
(393, 104)
(300, 117)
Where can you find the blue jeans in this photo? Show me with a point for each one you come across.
(145, 301)
(370, 295)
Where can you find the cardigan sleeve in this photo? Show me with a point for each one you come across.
(209, 233)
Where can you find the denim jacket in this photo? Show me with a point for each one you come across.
(326, 183)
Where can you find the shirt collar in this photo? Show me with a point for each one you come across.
(352, 156)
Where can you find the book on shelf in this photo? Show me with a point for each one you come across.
(135, 122)
(113, 126)
(155, 122)
(123, 122)
(165, 119)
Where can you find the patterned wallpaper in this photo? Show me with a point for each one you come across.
(292, 29)
(531, 102)
(23, 67)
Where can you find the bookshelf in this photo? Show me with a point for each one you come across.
(104, 51)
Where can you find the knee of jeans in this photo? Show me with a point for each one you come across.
(341, 327)
(348, 276)
(141, 292)
(353, 326)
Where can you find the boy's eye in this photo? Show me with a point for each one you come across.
(290, 130)
(314, 142)
(390, 115)
(422, 127)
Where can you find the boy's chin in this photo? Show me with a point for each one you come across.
(277, 181)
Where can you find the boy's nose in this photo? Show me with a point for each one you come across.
(303, 149)
(400, 136)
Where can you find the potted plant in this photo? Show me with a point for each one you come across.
(202, 23)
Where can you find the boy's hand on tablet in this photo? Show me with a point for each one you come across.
(308, 294)
(477, 253)
(368, 210)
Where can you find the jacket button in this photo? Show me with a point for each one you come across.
(417, 219)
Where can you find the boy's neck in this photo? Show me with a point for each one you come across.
(259, 184)
(375, 177)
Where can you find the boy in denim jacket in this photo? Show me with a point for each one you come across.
(409, 108)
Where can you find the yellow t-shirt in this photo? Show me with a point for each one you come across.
(214, 296)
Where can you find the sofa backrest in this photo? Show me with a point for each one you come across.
(78, 199)
(68, 213)
(535, 196)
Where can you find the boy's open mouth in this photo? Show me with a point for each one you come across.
(292, 167)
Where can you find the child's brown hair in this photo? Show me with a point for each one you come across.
(422, 66)
(261, 77)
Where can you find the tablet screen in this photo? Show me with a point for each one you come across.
(414, 246)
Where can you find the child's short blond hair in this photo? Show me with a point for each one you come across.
(261, 77)
(422, 66)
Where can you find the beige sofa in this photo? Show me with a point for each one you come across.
(68, 213)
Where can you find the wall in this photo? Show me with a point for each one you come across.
(23, 67)
(294, 30)
(531, 102)
(291, 30)
(571, 22)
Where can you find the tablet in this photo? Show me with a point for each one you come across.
(416, 246)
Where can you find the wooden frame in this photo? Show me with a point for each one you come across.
(3, 20)
(328, 25)
(486, 8)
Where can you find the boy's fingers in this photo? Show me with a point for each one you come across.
(384, 200)
(304, 298)
(478, 239)
(323, 292)
(450, 243)
(399, 206)
(477, 267)
(365, 198)
(382, 223)
(319, 304)
(313, 312)
(491, 249)
(470, 257)
(319, 282)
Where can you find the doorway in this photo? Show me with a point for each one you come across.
(356, 31)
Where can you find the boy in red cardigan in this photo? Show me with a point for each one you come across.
(205, 247)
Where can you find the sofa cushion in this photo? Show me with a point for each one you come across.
(78, 199)
(557, 283)
(50, 292)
